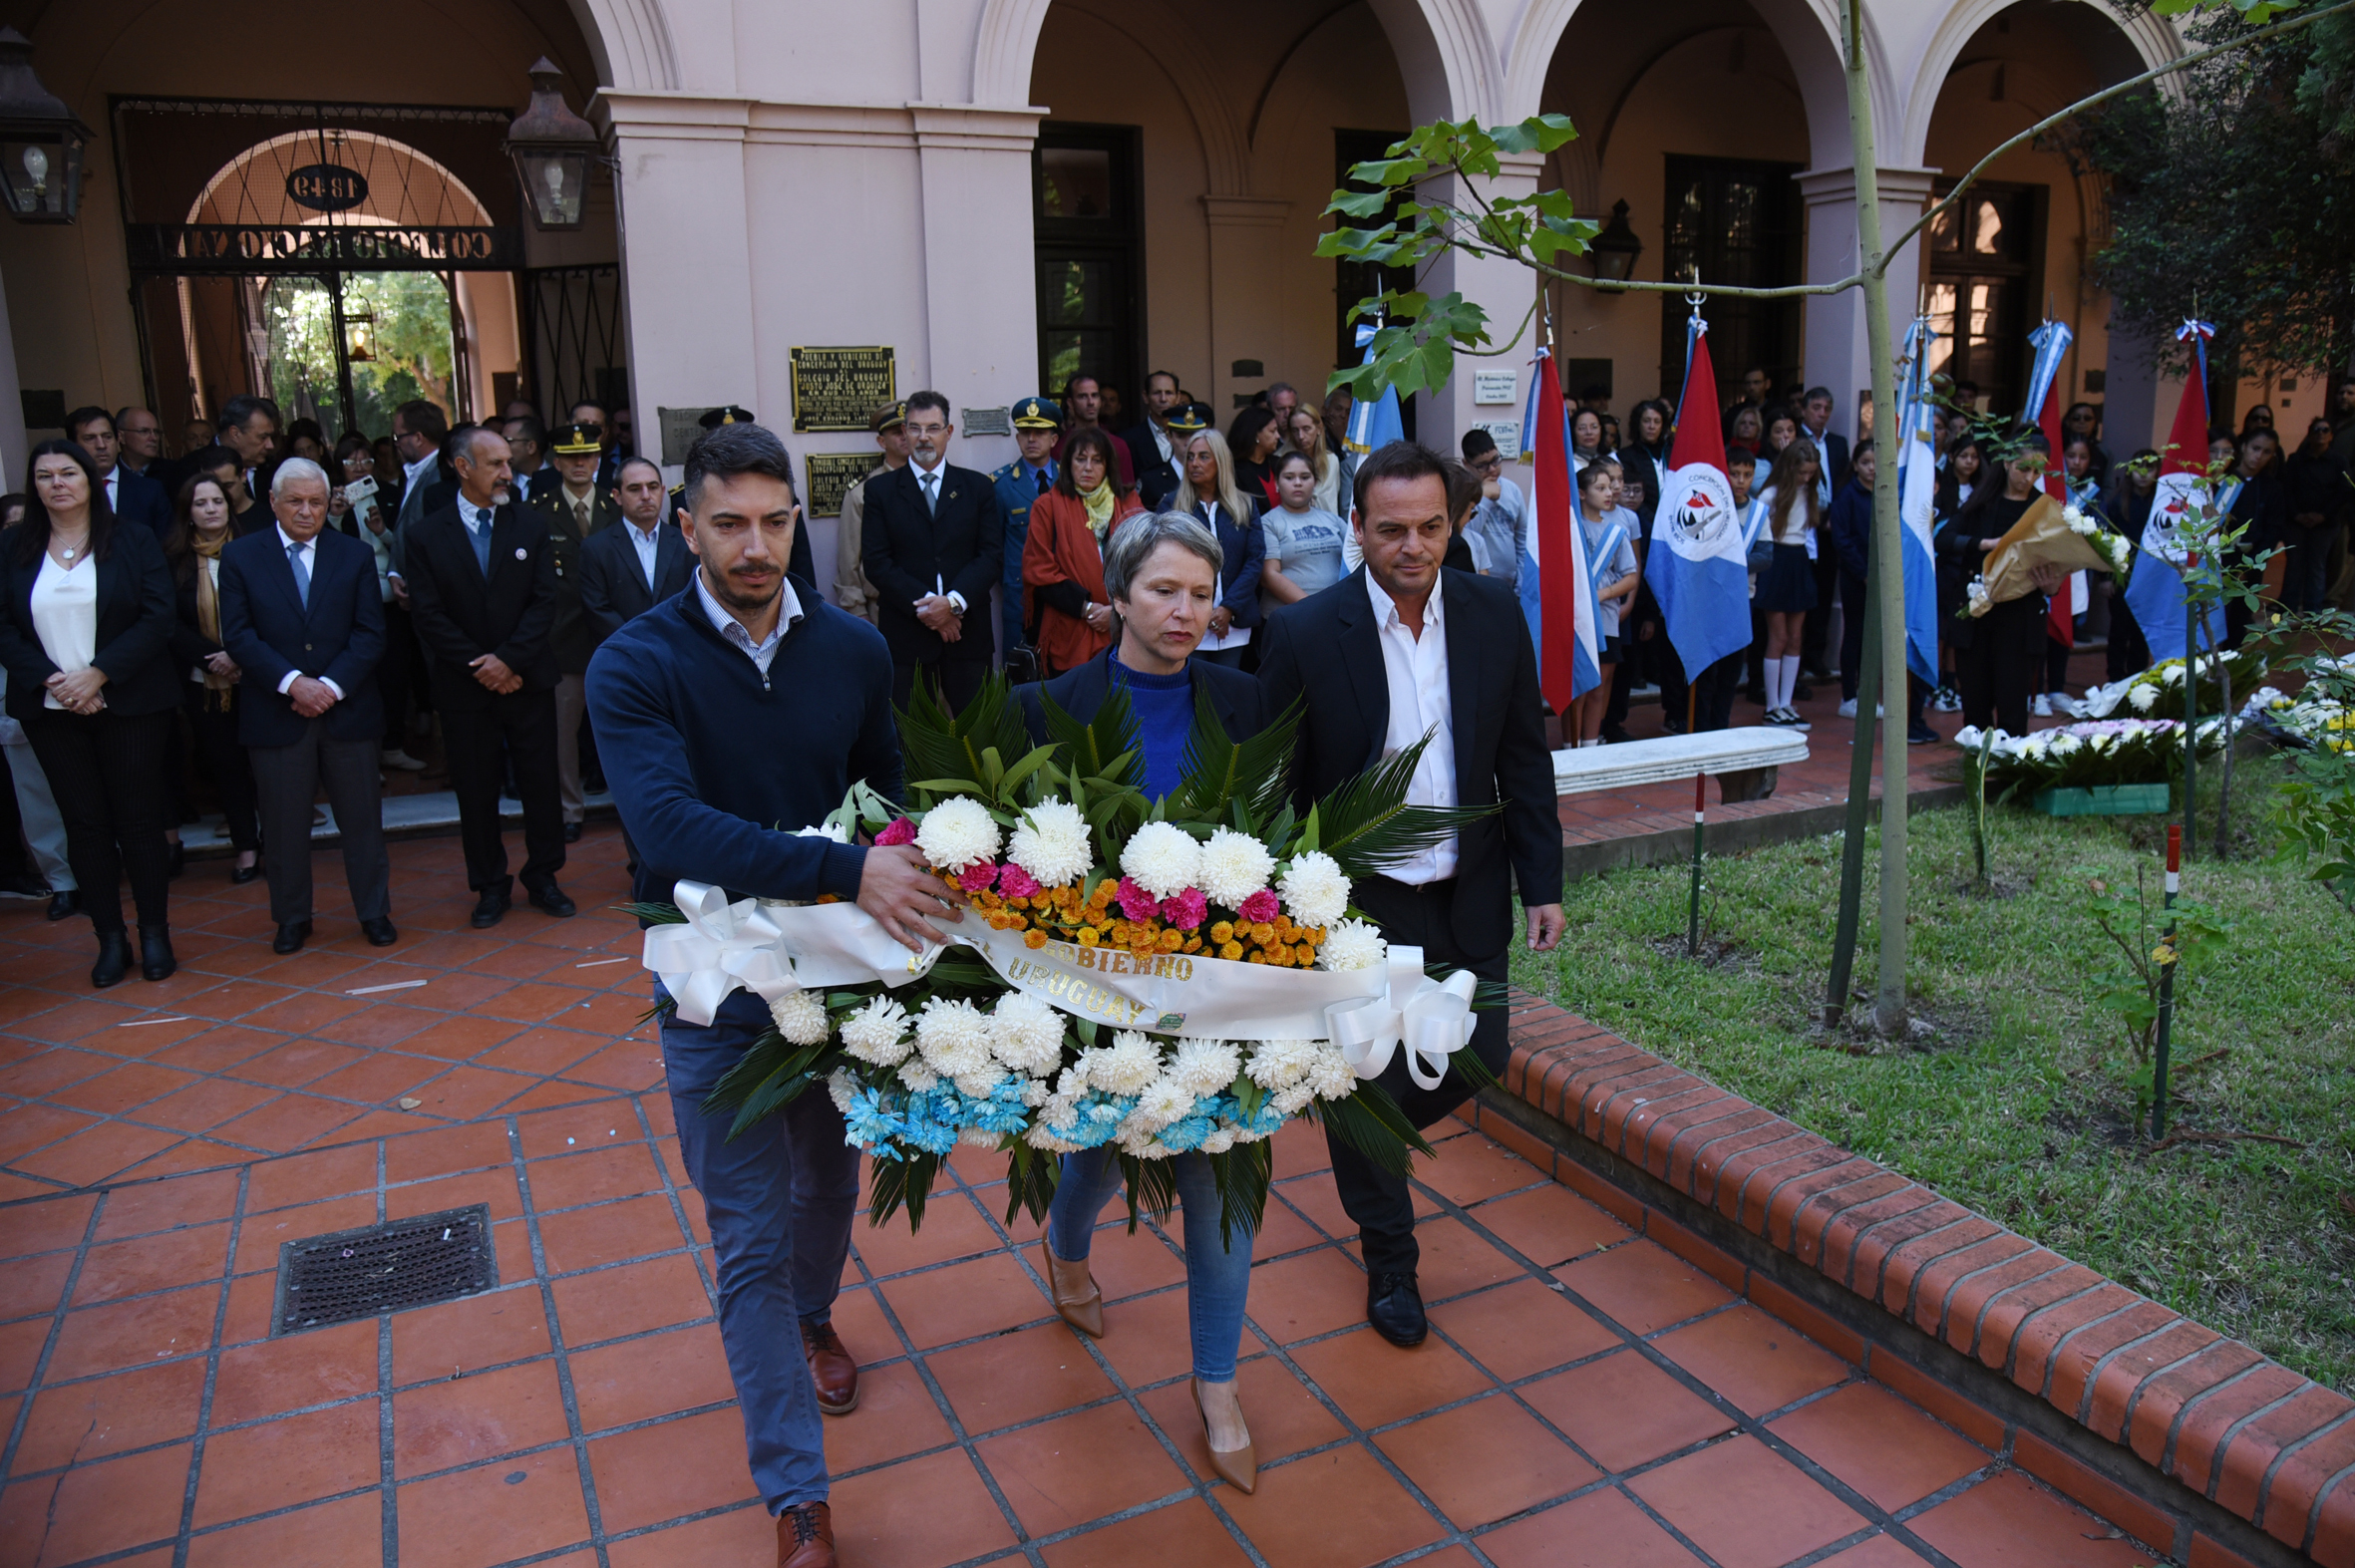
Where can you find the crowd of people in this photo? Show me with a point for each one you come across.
(284, 618)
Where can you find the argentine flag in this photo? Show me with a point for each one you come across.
(1702, 577)
(2154, 591)
(1556, 588)
(1373, 421)
(1917, 491)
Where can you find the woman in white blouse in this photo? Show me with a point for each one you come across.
(208, 686)
(85, 623)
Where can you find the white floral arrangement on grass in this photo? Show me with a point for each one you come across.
(2089, 754)
(2158, 691)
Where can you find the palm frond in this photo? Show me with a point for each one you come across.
(940, 746)
(1243, 1173)
(1366, 824)
(1107, 745)
(1220, 771)
(1152, 1185)
(1031, 1179)
(901, 1183)
(654, 914)
(770, 1075)
(1370, 1123)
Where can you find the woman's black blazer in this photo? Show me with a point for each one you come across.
(135, 620)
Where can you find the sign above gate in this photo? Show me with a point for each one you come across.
(259, 249)
(326, 187)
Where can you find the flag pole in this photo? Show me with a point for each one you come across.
(1691, 707)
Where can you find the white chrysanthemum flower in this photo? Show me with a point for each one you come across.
(801, 1018)
(1332, 1077)
(1352, 944)
(1051, 844)
(2144, 697)
(1294, 1099)
(977, 1137)
(1034, 1092)
(916, 1075)
(2172, 674)
(1205, 1067)
(980, 1083)
(1235, 866)
(1161, 1105)
(1315, 893)
(1127, 1067)
(878, 1033)
(1163, 859)
(957, 832)
(1978, 590)
(840, 1086)
(1060, 1111)
(1026, 1034)
(832, 831)
(1041, 1136)
(954, 1039)
(1280, 1064)
(1219, 1140)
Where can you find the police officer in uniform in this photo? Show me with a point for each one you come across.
(803, 565)
(573, 509)
(1038, 426)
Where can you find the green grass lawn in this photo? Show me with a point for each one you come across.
(2018, 1104)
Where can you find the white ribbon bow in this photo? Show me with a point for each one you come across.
(1431, 1019)
(721, 946)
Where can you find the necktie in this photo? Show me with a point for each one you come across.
(1042, 481)
(580, 516)
(931, 492)
(302, 574)
(480, 536)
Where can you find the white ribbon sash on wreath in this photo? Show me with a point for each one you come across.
(770, 949)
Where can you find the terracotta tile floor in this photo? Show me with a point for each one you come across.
(1585, 1397)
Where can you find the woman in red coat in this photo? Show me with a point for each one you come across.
(1063, 555)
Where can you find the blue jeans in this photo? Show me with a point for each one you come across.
(1218, 1277)
(778, 1201)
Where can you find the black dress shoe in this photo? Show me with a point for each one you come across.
(242, 874)
(65, 905)
(113, 957)
(1395, 1308)
(490, 909)
(379, 932)
(572, 832)
(291, 937)
(550, 897)
(178, 860)
(154, 953)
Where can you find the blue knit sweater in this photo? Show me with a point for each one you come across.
(1164, 705)
(714, 767)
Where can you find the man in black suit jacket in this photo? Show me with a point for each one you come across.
(133, 498)
(933, 540)
(627, 569)
(1157, 452)
(301, 614)
(1397, 649)
(483, 596)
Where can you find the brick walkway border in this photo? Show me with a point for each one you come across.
(2194, 1444)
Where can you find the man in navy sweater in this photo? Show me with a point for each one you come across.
(728, 717)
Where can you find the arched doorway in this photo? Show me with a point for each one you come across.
(346, 259)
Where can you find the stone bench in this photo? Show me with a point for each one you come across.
(1744, 762)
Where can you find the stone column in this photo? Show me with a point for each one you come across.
(1244, 234)
(1835, 351)
(981, 332)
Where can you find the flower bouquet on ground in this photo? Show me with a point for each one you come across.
(1171, 976)
(2158, 691)
(2092, 754)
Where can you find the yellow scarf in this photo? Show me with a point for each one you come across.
(1099, 503)
(219, 689)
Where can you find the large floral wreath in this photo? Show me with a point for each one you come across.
(1164, 976)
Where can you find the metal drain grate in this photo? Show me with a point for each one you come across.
(352, 1274)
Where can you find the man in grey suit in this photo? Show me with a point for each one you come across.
(303, 617)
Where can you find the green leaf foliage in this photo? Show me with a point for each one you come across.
(1221, 772)
(1365, 825)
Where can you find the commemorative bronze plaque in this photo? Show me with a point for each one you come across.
(832, 474)
(838, 388)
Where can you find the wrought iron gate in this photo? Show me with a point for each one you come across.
(573, 339)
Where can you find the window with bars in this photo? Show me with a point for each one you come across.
(1739, 221)
(1986, 254)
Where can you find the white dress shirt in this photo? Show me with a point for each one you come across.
(309, 549)
(65, 617)
(1416, 668)
(764, 652)
(648, 542)
(928, 482)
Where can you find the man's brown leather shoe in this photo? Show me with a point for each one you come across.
(806, 1537)
(832, 1369)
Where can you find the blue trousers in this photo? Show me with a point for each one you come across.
(779, 1200)
(1218, 1277)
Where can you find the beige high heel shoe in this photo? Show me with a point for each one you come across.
(1077, 1301)
(1238, 1468)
